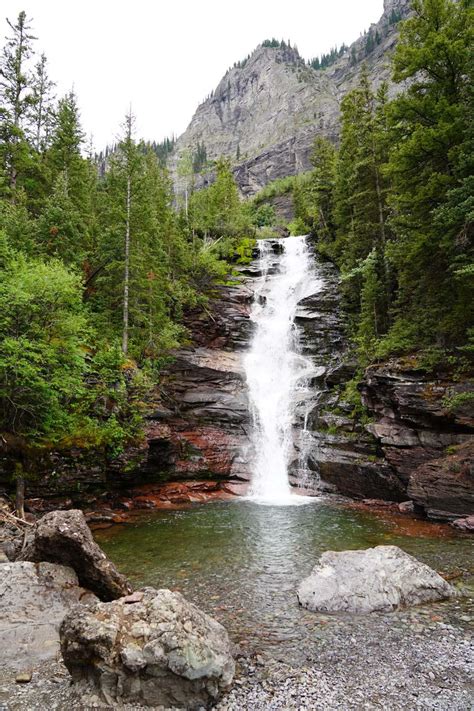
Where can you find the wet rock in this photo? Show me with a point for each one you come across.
(204, 393)
(354, 473)
(427, 445)
(64, 537)
(464, 524)
(383, 578)
(179, 493)
(34, 597)
(444, 487)
(412, 421)
(342, 371)
(157, 651)
(378, 503)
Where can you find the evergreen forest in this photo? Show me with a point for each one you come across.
(100, 258)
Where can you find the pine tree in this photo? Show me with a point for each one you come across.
(362, 191)
(186, 175)
(61, 229)
(369, 43)
(71, 180)
(322, 188)
(64, 154)
(16, 100)
(429, 172)
(361, 210)
(128, 150)
(42, 111)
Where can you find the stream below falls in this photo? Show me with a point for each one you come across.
(241, 562)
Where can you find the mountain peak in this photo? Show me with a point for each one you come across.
(267, 109)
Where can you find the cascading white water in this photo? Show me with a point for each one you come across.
(274, 368)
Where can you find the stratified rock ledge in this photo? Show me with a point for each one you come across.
(383, 578)
(151, 648)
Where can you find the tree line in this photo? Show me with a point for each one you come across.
(97, 266)
(392, 205)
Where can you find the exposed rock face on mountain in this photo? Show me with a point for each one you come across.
(266, 111)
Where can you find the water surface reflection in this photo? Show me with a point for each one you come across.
(241, 562)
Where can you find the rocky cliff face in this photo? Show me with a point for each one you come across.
(429, 443)
(409, 445)
(412, 444)
(265, 113)
(200, 427)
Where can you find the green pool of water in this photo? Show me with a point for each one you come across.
(241, 562)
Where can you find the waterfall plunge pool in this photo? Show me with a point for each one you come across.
(241, 563)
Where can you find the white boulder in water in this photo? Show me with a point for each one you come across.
(383, 578)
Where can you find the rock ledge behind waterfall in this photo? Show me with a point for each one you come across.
(383, 578)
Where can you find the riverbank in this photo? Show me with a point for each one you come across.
(225, 558)
(417, 659)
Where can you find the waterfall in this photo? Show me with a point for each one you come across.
(275, 369)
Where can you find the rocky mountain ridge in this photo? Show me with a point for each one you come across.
(266, 111)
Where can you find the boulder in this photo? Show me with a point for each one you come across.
(464, 524)
(34, 598)
(383, 578)
(152, 648)
(64, 537)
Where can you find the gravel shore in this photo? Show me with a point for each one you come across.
(416, 659)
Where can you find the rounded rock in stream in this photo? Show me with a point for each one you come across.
(151, 648)
(383, 578)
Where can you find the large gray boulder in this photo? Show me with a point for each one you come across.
(34, 598)
(383, 578)
(64, 537)
(152, 648)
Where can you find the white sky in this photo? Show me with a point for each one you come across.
(165, 57)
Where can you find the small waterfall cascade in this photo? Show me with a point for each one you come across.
(277, 372)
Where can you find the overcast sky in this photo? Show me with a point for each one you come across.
(165, 56)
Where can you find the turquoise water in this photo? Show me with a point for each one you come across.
(242, 562)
